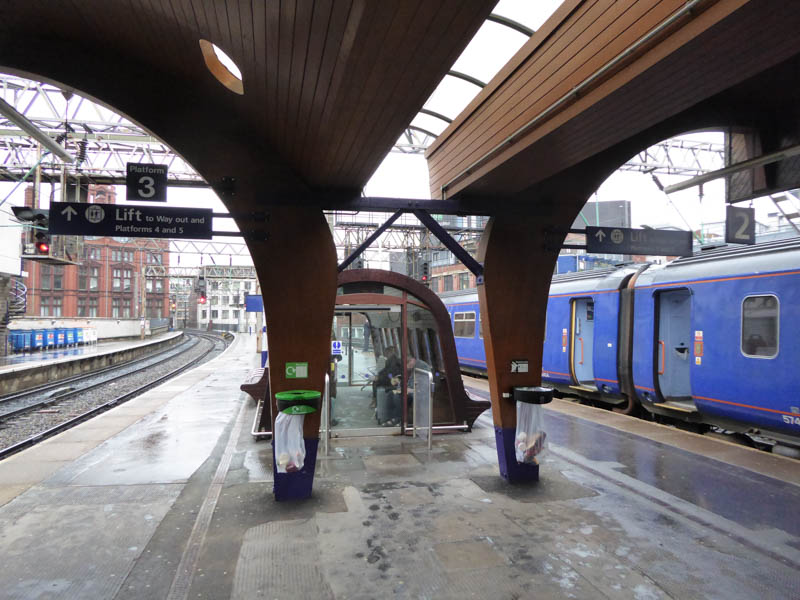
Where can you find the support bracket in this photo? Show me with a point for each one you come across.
(368, 242)
(465, 257)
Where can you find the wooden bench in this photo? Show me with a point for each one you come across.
(257, 384)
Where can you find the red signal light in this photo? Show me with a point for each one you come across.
(424, 278)
(201, 300)
(42, 247)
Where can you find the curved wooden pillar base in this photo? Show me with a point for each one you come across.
(513, 301)
(297, 271)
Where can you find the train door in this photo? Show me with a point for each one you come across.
(673, 341)
(583, 341)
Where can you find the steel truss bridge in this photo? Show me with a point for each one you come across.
(103, 142)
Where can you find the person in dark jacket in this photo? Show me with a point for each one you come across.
(392, 368)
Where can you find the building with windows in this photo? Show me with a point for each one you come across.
(226, 289)
(107, 279)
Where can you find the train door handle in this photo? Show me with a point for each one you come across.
(663, 347)
(580, 362)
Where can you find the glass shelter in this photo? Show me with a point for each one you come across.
(390, 327)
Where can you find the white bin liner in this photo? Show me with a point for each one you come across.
(290, 447)
(530, 441)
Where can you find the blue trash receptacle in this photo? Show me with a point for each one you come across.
(61, 337)
(49, 338)
(15, 341)
(26, 340)
(38, 339)
(79, 339)
(70, 336)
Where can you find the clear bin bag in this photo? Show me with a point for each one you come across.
(530, 441)
(290, 447)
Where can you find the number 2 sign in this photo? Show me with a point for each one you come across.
(146, 182)
(740, 225)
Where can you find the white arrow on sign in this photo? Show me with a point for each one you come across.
(69, 212)
(600, 235)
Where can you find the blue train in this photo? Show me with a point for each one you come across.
(710, 339)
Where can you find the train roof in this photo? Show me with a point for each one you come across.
(592, 281)
(469, 296)
(725, 261)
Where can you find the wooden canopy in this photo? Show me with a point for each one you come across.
(328, 85)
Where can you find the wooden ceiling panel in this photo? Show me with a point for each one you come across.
(329, 85)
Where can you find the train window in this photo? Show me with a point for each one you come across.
(464, 324)
(760, 326)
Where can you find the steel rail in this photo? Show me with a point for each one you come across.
(61, 382)
(34, 439)
(70, 394)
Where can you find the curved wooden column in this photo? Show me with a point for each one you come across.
(297, 271)
(513, 301)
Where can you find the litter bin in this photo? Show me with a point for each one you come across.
(294, 457)
(61, 338)
(49, 338)
(25, 340)
(529, 443)
(16, 339)
(37, 339)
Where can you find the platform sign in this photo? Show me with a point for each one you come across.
(740, 225)
(77, 218)
(622, 240)
(336, 348)
(146, 182)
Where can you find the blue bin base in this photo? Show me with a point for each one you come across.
(298, 485)
(510, 469)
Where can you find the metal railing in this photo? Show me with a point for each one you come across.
(423, 405)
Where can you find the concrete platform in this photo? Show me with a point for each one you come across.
(175, 501)
(20, 372)
(20, 362)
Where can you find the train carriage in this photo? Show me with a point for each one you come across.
(709, 339)
(715, 338)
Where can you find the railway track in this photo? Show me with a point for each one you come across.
(28, 418)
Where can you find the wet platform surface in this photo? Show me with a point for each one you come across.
(168, 496)
(37, 358)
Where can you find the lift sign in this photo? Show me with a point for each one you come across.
(336, 347)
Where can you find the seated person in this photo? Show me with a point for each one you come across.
(396, 413)
(392, 368)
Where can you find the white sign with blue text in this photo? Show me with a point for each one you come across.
(336, 348)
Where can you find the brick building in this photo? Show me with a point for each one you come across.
(107, 280)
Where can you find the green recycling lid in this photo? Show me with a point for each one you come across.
(295, 395)
(299, 409)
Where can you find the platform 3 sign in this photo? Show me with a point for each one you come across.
(622, 240)
(146, 182)
(77, 218)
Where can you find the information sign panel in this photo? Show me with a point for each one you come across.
(622, 240)
(296, 370)
(146, 182)
(740, 225)
(336, 348)
(77, 218)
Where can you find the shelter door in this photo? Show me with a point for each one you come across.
(368, 397)
(583, 341)
(673, 344)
